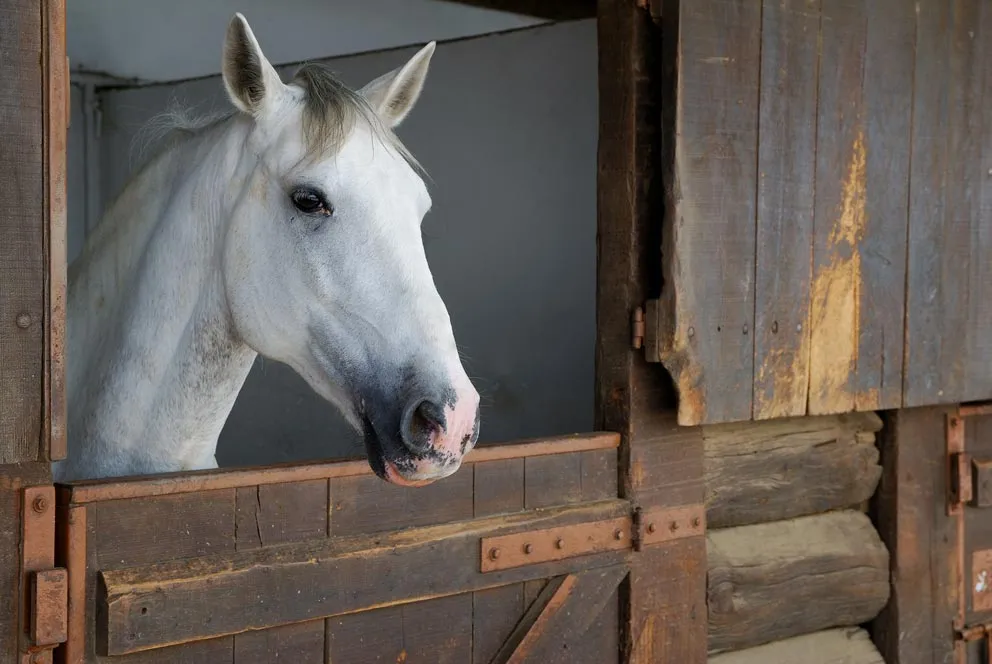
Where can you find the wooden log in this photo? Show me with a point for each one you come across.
(757, 472)
(834, 646)
(769, 582)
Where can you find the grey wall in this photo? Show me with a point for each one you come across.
(507, 129)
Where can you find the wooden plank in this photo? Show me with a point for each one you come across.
(208, 480)
(921, 539)
(135, 532)
(366, 504)
(213, 651)
(23, 212)
(553, 628)
(926, 294)
(499, 487)
(786, 158)
(709, 250)
(758, 472)
(495, 612)
(366, 638)
(552, 480)
(154, 605)
(979, 352)
(833, 565)
(839, 224)
(847, 645)
(302, 643)
(280, 513)
(599, 475)
(663, 602)
(887, 101)
(70, 553)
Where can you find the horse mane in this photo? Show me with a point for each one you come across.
(329, 113)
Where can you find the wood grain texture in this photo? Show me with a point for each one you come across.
(977, 376)
(786, 158)
(23, 214)
(302, 643)
(708, 301)
(773, 581)
(757, 472)
(849, 645)
(909, 509)
(280, 513)
(663, 602)
(839, 224)
(888, 82)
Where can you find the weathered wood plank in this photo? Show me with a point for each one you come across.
(302, 643)
(153, 605)
(758, 472)
(552, 480)
(22, 218)
(499, 487)
(888, 82)
(134, 532)
(786, 158)
(281, 513)
(495, 612)
(925, 340)
(835, 646)
(709, 250)
(910, 511)
(832, 565)
(979, 354)
(212, 651)
(839, 224)
(554, 627)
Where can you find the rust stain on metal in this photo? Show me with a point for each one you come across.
(533, 635)
(835, 297)
(48, 607)
(541, 546)
(73, 557)
(37, 555)
(667, 524)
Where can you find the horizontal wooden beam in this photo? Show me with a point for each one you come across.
(165, 604)
(553, 10)
(164, 484)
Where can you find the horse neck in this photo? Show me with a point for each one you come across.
(154, 363)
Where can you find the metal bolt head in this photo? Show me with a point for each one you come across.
(692, 332)
(559, 543)
(695, 522)
(775, 327)
(652, 527)
(40, 505)
(746, 328)
(24, 320)
(528, 548)
(618, 534)
(673, 526)
(494, 553)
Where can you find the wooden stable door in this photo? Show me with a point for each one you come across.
(517, 557)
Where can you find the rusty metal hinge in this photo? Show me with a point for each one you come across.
(45, 586)
(644, 330)
(634, 532)
(637, 328)
(959, 486)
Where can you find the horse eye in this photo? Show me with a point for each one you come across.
(309, 201)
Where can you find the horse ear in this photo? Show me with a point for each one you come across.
(393, 95)
(249, 78)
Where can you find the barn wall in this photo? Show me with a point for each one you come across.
(507, 129)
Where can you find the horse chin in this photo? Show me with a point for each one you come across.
(387, 470)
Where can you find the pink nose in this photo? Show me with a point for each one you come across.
(441, 433)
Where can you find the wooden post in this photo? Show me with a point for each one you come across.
(663, 603)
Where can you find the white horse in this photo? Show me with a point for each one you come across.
(288, 228)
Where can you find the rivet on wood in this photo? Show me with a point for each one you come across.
(652, 527)
(775, 327)
(692, 332)
(745, 329)
(528, 548)
(559, 543)
(673, 526)
(24, 321)
(40, 505)
(494, 553)
(618, 534)
(695, 522)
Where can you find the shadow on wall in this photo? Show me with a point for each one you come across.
(507, 130)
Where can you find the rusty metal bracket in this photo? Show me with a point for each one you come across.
(541, 546)
(959, 467)
(661, 525)
(43, 586)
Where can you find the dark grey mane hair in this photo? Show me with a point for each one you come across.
(330, 111)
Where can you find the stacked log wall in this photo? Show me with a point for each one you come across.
(795, 565)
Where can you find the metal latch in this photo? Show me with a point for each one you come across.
(959, 466)
(45, 586)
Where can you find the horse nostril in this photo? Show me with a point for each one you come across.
(420, 421)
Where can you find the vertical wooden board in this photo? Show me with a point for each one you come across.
(601, 642)
(711, 264)
(495, 613)
(280, 513)
(554, 479)
(499, 487)
(786, 158)
(909, 510)
(977, 524)
(925, 295)
(367, 504)
(302, 643)
(888, 85)
(978, 378)
(839, 216)
(437, 631)
(22, 219)
(211, 651)
(146, 530)
(599, 475)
